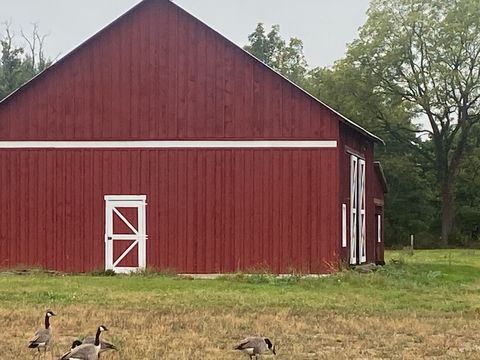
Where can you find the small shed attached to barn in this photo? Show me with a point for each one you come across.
(160, 143)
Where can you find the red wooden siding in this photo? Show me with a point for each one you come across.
(379, 189)
(159, 73)
(215, 210)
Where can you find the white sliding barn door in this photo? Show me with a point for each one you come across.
(362, 226)
(353, 208)
(358, 234)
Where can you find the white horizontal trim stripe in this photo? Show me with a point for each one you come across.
(125, 197)
(168, 144)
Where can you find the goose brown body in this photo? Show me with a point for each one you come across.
(104, 345)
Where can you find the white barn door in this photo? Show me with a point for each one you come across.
(353, 208)
(358, 234)
(362, 226)
(125, 233)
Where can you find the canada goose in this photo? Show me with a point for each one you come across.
(255, 346)
(104, 345)
(74, 345)
(86, 351)
(42, 337)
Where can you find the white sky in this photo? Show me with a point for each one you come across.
(325, 26)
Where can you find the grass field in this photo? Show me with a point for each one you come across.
(425, 306)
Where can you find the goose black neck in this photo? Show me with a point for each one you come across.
(47, 321)
(97, 337)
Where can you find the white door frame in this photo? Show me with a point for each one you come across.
(138, 235)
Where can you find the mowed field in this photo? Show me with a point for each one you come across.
(425, 306)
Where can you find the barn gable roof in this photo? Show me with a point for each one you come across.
(65, 58)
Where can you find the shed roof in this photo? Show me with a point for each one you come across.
(44, 73)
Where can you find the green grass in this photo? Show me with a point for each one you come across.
(430, 280)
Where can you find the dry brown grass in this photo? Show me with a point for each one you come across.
(425, 306)
(210, 334)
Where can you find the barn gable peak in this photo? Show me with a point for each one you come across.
(145, 12)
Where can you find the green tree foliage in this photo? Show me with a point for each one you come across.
(410, 206)
(353, 92)
(428, 54)
(467, 227)
(18, 64)
(287, 59)
(10, 66)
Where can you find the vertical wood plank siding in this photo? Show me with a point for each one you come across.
(158, 73)
(208, 210)
(378, 194)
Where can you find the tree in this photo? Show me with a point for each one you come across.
(289, 60)
(352, 91)
(35, 60)
(428, 54)
(10, 64)
(266, 47)
(16, 66)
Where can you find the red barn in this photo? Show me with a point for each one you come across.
(160, 143)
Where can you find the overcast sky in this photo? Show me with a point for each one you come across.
(325, 26)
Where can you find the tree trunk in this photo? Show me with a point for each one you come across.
(447, 212)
